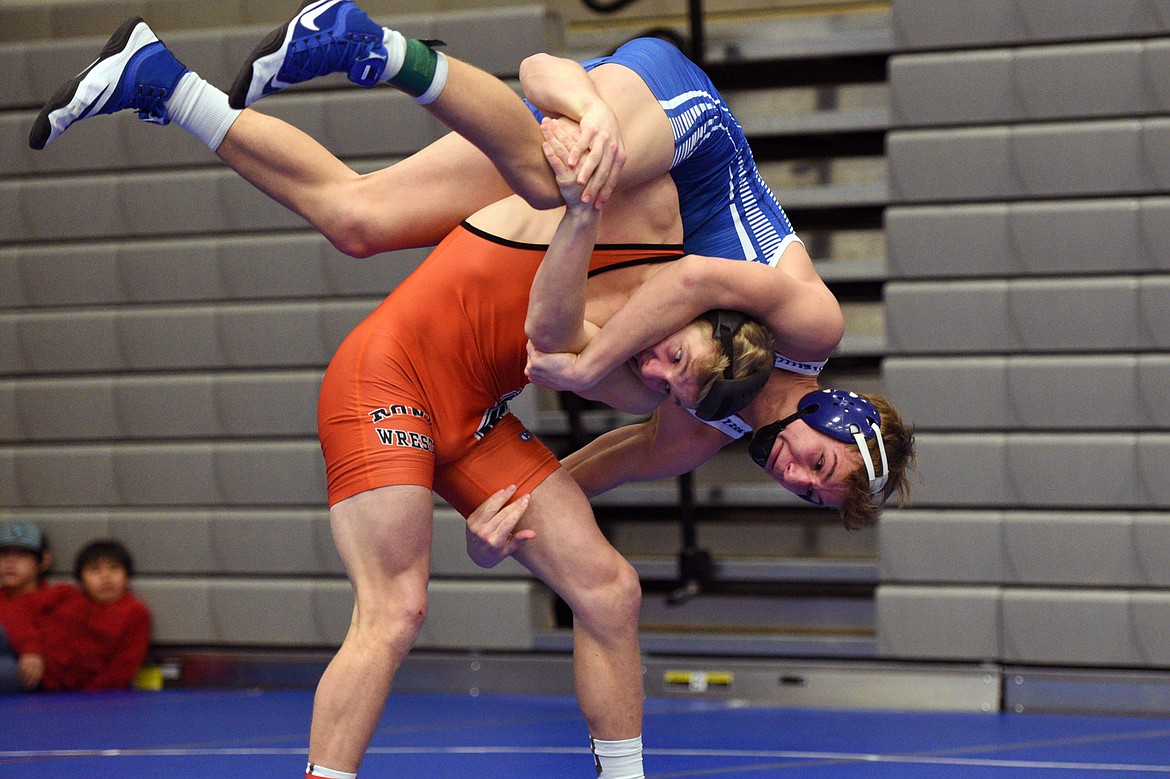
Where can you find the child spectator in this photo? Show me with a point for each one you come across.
(25, 602)
(97, 638)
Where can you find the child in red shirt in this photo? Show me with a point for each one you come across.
(25, 603)
(97, 637)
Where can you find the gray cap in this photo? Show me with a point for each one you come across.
(22, 535)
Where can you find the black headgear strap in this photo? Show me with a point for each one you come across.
(765, 438)
(729, 395)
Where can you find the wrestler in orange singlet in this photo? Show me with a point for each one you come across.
(417, 393)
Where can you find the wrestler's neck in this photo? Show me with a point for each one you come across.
(779, 398)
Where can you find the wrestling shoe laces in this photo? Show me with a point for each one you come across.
(148, 99)
(352, 52)
(324, 36)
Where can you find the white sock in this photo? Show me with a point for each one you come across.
(327, 773)
(201, 109)
(395, 43)
(618, 759)
(423, 91)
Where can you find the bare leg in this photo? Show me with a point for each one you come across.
(494, 152)
(492, 117)
(571, 555)
(384, 537)
(412, 203)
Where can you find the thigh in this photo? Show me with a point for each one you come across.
(384, 539)
(423, 197)
(646, 131)
(569, 553)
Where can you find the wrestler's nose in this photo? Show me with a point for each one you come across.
(795, 475)
(653, 371)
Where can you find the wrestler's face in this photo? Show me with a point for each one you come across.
(812, 465)
(671, 365)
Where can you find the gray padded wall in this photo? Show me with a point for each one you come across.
(165, 328)
(1028, 326)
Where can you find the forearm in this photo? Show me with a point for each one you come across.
(672, 442)
(664, 304)
(556, 303)
(622, 390)
(612, 459)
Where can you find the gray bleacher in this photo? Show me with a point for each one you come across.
(927, 24)
(165, 331)
(1028, 335)
(1029, 238)
(1128, 313)
(1030, 83)
(1114, 156)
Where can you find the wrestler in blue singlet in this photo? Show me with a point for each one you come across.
(727, 208)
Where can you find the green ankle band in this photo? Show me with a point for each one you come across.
(418, 69)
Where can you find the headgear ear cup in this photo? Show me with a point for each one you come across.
(729, 395)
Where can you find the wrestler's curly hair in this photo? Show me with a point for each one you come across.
(859, 510)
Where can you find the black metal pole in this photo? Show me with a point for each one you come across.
(686, 506)
(695, 565)
(695, 11)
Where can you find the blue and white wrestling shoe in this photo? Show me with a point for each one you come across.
(326, 36)
(134, 70)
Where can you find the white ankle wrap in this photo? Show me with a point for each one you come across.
(618, 759)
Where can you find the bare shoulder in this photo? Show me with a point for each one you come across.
(796, 262)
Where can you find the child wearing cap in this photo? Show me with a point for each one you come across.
(98, 636)
(26, 602)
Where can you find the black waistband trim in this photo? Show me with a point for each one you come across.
(675, 247)
(632, 263)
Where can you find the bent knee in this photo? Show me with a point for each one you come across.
(540, 197)
(355, 220)
(536, 186)
(616, 601)
(628, 588)
(397, 621)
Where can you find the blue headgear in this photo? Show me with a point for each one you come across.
(729, 395)
(840, 414)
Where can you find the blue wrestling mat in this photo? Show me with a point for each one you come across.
(200, 734)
